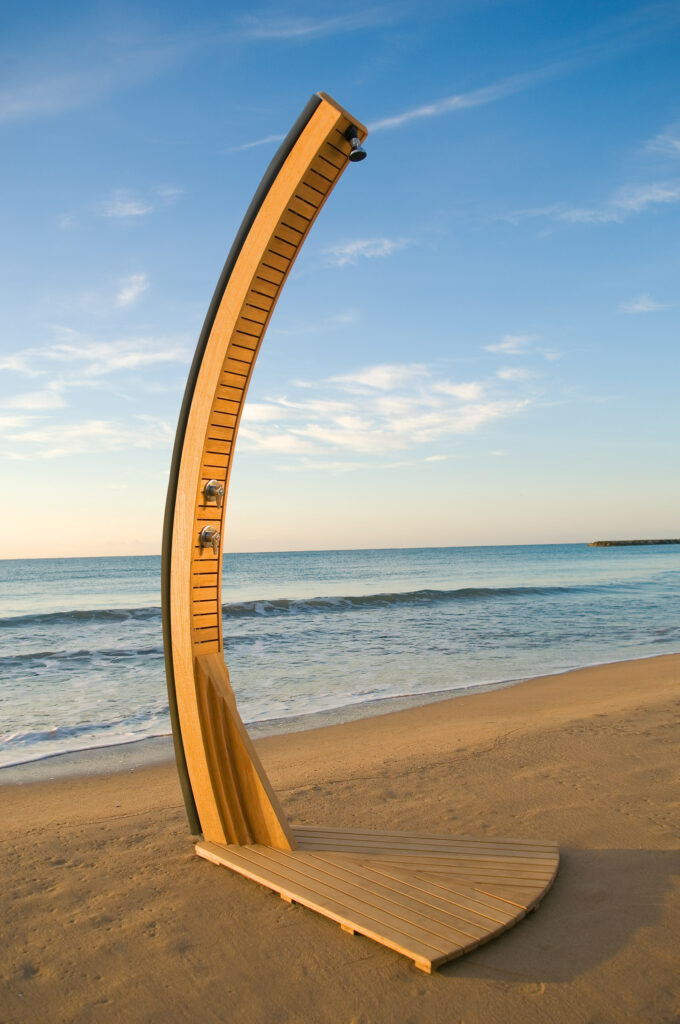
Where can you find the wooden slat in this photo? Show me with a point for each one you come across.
(257, 312)
(224, 404)
(282, 248)
(330, 155)
(480, 872)
(317, 181)
(427, 848)
(302, 207)
(312, 196)
(289, 234)
(263, 285)
(405, 895)
(342, 833)
(294, 221)
(327, 904)
(232, 380)
(451, 890)
(384, 905)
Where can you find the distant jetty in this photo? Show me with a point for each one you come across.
(627, 543)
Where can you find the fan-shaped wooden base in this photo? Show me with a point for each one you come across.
(429, 897)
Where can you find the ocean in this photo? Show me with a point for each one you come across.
(315, 636)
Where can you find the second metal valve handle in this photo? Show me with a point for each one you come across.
(210, 538)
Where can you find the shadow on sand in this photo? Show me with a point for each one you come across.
(601, 897)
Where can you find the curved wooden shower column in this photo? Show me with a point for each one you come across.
(431, 898)
(227, 794)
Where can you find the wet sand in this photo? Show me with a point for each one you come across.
(107, 915)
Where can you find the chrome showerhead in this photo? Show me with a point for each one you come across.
(358, 152)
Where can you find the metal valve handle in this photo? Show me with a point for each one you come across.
(210, 538)
(214, 491)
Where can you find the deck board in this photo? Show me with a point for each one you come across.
(430, 898)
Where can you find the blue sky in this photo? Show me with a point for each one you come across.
(478, 343)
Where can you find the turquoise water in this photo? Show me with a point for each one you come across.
(310, 633)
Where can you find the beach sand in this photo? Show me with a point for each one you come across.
(107, 915)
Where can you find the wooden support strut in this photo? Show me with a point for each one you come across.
(226, 792)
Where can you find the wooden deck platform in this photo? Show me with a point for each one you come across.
(431, 898)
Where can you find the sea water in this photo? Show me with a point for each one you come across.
(310, 635)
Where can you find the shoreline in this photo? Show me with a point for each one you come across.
(149, 750)
(107, 914)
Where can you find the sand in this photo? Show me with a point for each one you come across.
(108, 916)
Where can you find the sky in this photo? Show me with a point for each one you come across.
(478, 343)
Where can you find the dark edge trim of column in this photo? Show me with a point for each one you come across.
(166, 551)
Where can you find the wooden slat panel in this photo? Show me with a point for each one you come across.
(203, 620)
(300, 205)
(228, 405)
(349, 833)
(427, 847)
(436, 859)
(206, 646)
(322, 170)
(452, 891)
(217, 434)
(203, 635)
(382, 904)
(472, 872)
(263, 285)
(229, 392)
(216, 459)
(241, 354)
(383, 894)
(309, 195)
(335, 908)
(330, 155)
(402, 895)
(282, 248)
(459, 899)
(223, 417)
(235, 381)
(274, 261)
(257, 312)
(295, 222)
(289, 234)
(237, 367)
(247, 335)
(317, 181)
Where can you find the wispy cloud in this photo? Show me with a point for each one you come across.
(626, 201)
(512, 344)
(642, 304)
(131, 288)
(271, 27)
(612, 36)
(384, 377)
(49, 398)
(74, 359)
(377, 410)
(91, 436)
(266, 141)
(124, 203)
(514, 373)
(66, 75)
(364, 248)
(468, 391)
(667, 142)
(464, 100)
